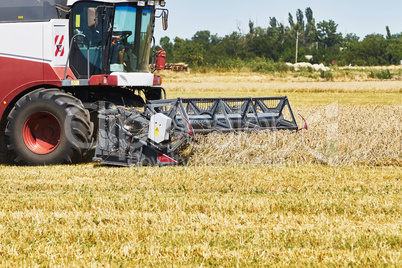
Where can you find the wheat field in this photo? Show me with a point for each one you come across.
(329, 196)
(194, 216)
(338, 135)
(301, 92)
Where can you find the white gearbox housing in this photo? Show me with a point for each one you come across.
(159, 128)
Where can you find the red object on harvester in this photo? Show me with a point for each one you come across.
(305, 124)
(160, 59)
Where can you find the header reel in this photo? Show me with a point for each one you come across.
(130, 137)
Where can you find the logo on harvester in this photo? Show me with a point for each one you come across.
(58, 41)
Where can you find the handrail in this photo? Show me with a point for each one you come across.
(69, 52)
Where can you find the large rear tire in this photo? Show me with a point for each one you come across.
(48, 126)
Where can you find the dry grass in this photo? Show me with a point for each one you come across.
(327, 197)
(337, 135)
(200, 216)
(300, 92)
(281, 80)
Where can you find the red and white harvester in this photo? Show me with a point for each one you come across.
(75, 75)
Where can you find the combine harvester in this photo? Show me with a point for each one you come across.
(74, 70)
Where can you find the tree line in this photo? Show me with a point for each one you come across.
(279, 43)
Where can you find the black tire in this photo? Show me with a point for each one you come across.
(48, 126)
(3, 146)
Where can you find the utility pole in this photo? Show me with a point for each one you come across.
(297, 45)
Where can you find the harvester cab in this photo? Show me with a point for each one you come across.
(111, 42)
(117, 36)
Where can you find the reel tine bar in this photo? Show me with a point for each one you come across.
(233, 114)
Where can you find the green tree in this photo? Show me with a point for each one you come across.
(273, 23)
(311, 31)
(373, 50)
(215, 39)
(278, 43)
(202, 37)
(389, 36)
(233, 45)
(309, 15)
(291, 21)
(327, 33)
(393, 52)
(300, 20)
(251, 26)
(350, 50)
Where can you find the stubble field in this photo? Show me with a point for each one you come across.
(328, 196)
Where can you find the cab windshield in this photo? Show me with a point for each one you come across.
(119, 41)
(131, 39)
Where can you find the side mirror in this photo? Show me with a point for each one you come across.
(92, 17)
(165, 17)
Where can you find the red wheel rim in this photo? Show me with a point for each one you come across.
(42, 133)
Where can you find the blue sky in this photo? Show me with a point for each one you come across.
(222, 17)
